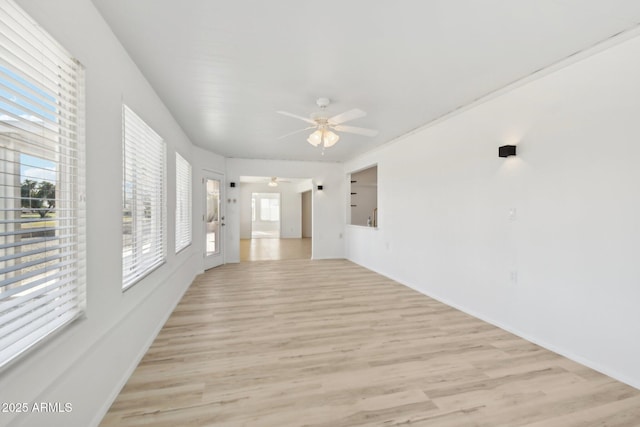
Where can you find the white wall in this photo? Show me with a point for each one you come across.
(562, 269)
(290, 208)
(87, 363)
(328, 205)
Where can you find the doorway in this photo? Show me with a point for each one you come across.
(213, 184)
(271, 218)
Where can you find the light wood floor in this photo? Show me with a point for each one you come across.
(274, 249)
(328, 343)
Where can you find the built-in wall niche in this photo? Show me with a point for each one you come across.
(364, 197)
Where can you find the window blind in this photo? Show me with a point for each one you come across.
(143, 208)
(183, 203)
(42, 225)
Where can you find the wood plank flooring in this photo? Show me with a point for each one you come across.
(328, 343)
(274, 249)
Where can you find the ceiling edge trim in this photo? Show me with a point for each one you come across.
(573, 58)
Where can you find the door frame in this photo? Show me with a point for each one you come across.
(217, 259)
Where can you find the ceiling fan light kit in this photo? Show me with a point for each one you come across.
(324, 135)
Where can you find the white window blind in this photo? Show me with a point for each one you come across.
(183, 203)
(143, 207)
(42, 226)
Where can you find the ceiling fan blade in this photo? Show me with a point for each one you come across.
(346, 116)
(294, 132)
(357, 130)
(295, 116)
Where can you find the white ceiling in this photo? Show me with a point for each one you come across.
(224, 68)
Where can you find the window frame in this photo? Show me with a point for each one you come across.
(42, 260)
(144, 173)
(184, 203)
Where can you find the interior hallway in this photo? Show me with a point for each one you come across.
(274, 249)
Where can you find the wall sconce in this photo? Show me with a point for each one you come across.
(320, 187)
(232, 184)
(507, 150)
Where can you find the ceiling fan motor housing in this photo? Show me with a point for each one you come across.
(320, 117)
(323, 102)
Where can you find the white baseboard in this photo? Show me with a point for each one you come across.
(561, 351)
(118, 386)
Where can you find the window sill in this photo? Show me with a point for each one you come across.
(142, 275)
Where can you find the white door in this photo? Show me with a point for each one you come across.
(213, 184)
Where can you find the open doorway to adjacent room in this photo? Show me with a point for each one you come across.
(275, 218)
(265, 215)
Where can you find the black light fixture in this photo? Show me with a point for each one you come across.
(320, 187)
(232, 184)
(507, 150)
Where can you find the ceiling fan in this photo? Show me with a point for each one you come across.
(324, 126)
(274, 180)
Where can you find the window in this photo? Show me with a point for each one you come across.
(42, 226)
(270, 209)
(183, 203)
(143, 207)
